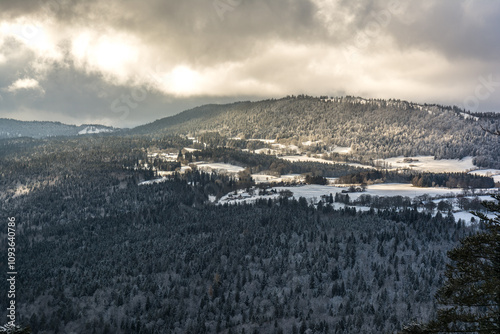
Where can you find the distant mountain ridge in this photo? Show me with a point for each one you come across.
(371, 127)
(209, 117)
(10, 128)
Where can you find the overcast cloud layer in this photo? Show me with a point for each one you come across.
(125, 63)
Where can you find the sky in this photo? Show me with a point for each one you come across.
(128, 62)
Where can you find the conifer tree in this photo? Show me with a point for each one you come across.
(470, 298)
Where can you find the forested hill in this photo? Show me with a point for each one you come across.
(381, 128)
(10, 128)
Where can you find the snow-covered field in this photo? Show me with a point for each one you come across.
(263, 178)
(386, 189)
(164, 156)
(313, 194)
(185, 169)
(486, 172)
(342, 150)
(219, 167)
(404, 189)
(268, 151)
(311, 143)
(429, 164)
(164, 173)
(286, 148)
(93, 130)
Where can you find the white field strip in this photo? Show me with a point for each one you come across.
(428, 164)
(220, 167)
(145, 183)
(263, 178)
(268, 151)
(486, 172)
(342, 150)
(311, 143)
(164, 156)
(404, 189)
(267, 141)
(386, 189)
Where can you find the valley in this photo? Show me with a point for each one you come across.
(181, 226)
(265, 184)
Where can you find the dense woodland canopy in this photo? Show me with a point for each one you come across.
(97, 253)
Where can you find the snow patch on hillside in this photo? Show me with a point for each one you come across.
(342, 150)
(311, 143)
(287, 178)
(219, 168)
(189, 149)
(93, 130)
(149, 182)
(267, 141)
(429, 164)
(469, 116)
(486, 172)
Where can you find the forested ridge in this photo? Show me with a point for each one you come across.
(97, 253)
(10, 128)
(376, 128)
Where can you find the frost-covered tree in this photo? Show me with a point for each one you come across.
(470, 298)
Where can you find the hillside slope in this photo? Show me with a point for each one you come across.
(378, 128)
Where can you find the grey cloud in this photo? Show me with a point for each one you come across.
(191, 30)
(79, 97)
(457, 29)
(195, 33)
(16, 67)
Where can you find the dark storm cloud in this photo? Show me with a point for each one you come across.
(209, 31)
